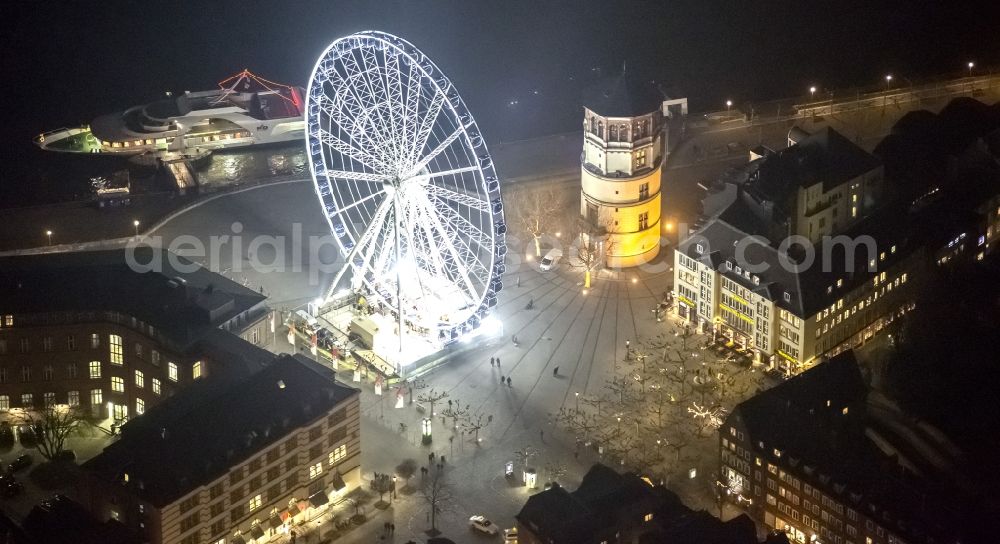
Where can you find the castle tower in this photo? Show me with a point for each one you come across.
(623, 150)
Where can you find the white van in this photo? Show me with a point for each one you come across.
(550, 259)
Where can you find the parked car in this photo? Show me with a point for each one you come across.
(23, 461)
(483, 525)
(11, 488)
(510, 535)
(550, 259)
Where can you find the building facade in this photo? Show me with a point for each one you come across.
(623, 151)
(803, 264)
(85, 330)
(244, 464)
(612, 508)
(791, 316)
(803, 458)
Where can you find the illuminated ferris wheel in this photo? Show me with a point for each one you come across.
(407, 183)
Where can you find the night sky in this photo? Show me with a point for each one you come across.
(67, 62)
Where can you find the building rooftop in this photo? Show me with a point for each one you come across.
(825, 156)
(817, 425)
(195, 436)
(604, 495)
(59, 520)
(182, 305)
(623, 96)
(779, 274)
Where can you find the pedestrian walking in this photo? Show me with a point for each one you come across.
(555, 371)
(392, 528)
(541, 435)
(501, 379)
(508, 381)
(498, 362)
(442, 459)
(492, 361)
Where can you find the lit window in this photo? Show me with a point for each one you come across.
(196, 370)
(315, 470)
(117, 384)
(115, 349)
(4, 403)
(647, 517)
(95, 369)
(254, 503)
(156, 386)
(49, 399)
(338, 454)
(96, 397)
(140, 406)
(26, 400)
(8, 321)
(140, 379)
(172, 372)
(73, 398)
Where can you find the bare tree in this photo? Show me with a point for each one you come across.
(590, 251)
(438, 494)
(475, 423)
(405, 470)
(383, 484)
(537, 212)
(456, 413)
(555, 470)
(431, 397)
(52, 425)
(525, 454)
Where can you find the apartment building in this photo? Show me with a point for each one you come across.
(809, 461)
(803, 264)
(85, 329)
(790, 305)
(609, 507)
(232, 462)
(820, 185)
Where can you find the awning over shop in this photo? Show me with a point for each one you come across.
(303, 505)
(238, 539)
(256, 531)
(276, 520)
(319, 499)
(338, 481)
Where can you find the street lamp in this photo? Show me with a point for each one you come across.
(577, 401)
(888, 81)
(971, 65)
(729, 104)
(48, 233)
(812, 92)
(135, 224)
